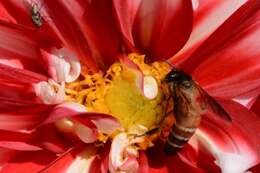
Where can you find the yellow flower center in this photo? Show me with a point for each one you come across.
(116, 93)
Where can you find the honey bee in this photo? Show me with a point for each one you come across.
(190, 103)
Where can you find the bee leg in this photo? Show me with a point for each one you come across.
(170, 150)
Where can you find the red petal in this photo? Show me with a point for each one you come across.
(159, 28)
(68, 27)
(233, 69)
(94, 35)
(143, 163)
(17, 141)
(126, 12)
(19, 12)
(209, 16)
(4, 14)
(25, 119)
(256, 106)
(6, 155)
(29, 162)
(19, 46)
(51, 139)
(164, 164)
(101, 32)
(19, 75)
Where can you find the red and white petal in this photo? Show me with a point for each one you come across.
(232, 70)
(158, 28)
(62, 65)
(208, 17)
(235, 24)
(80, 159)
(229, 160)
(234, 147)
(48, 94)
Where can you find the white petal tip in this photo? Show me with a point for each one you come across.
(233, 163)
(85, 133)
(150, 87)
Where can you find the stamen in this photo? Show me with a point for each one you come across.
(117, 93)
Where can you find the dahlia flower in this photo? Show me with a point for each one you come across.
(82, 84)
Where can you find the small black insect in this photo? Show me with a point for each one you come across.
(36, 15)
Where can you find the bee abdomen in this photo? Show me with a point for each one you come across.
(178, 137)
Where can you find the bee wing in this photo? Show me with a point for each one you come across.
(212, 105)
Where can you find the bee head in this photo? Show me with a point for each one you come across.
(179, 78)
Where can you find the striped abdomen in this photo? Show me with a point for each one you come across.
(187, 112)
(177, 138)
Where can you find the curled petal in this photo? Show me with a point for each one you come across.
(86, 130)
(146, 84)
(64, 110)
(150, 87)
(62, 65)
(105, 123)
(48, 94)
(120, 157)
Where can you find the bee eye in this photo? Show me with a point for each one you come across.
(186, 84)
